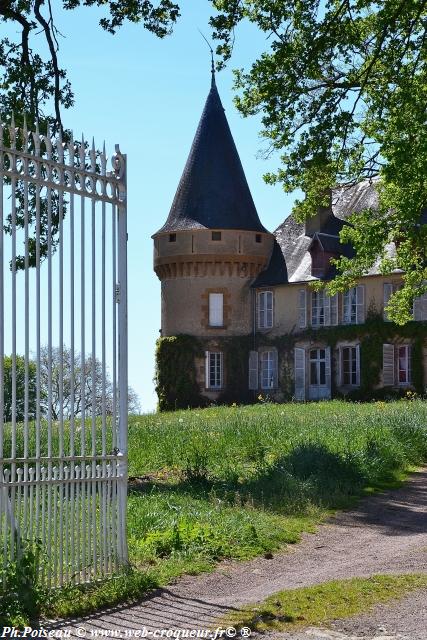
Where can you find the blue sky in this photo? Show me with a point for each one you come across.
(148, 94)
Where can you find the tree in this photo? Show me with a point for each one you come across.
(31, 81)
(90, 389)
(20, 388)
(342, 88)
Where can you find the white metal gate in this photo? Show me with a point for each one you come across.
(63, 357)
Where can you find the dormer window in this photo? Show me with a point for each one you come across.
(323, 248)
(172, 237)
(216, 236)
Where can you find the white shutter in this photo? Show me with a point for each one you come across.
(334, 309)
(346, 307)
(299, 372)
(207, 369)
(358, 365)
(261, 309)
(216, 309)
(253, 370)
(388, 290)
(302, 308)
(275, 365)
(327, 308)
(360, 304)
(269, 312)
(328, 370)
(388, 365)
(340, 367)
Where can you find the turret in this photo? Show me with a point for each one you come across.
(212, 245)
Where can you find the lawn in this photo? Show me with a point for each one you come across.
(236, 482)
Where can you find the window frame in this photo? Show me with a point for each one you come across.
(318, 360)
(354, 375)
(350, 300)
(316, 308)
(267, 357)
(215, 366)
(408, 363)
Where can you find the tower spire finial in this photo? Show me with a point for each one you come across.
(212, 58)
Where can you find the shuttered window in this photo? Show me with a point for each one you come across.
(214, 370)
(265, 309)
(216, 309)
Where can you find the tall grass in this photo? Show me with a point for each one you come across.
(336, 443)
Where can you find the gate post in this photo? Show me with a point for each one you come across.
(119, 164)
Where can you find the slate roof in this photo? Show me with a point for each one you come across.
(213, 192)
(294, 244)
(276, 271)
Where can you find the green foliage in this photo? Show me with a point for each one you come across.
(21, 599)
(372, 335)
(342, 91)
(20, 388)
(320, 604)
(176, 384)
(235, 351)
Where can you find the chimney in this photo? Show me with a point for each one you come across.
(315, 223)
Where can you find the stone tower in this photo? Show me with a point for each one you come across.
(212, 245)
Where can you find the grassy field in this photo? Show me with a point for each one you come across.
(238, 482)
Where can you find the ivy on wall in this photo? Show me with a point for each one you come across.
(176, 380)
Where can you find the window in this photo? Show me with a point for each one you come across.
(404, 364)
(216, 235)
(214, 370)
(268, 373)
(397, 365)
(389, 289)
(350, 306)
(172, 237)
(350, 366)
(354, 305)
(318, 367)
(265, 309)
(318, 308)
(258, 237)
(216, 309)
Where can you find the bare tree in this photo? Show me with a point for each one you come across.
(97, 387)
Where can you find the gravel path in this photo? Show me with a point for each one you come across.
(387, 533)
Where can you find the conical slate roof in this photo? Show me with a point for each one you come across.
(213, 192)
